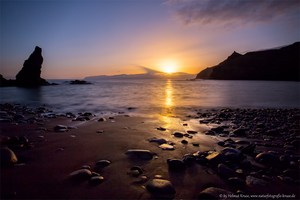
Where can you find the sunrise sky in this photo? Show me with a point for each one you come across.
(93, 37)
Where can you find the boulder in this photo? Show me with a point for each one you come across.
(30, 74)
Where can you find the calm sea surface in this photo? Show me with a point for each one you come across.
(158, 96)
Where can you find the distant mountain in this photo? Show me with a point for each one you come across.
(274, 64)
(150, 74)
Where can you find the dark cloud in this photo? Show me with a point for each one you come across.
(233, 11)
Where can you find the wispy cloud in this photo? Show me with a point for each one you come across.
(233, 11)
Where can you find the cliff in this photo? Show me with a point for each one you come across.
(274, 64)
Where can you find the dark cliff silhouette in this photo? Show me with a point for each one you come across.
(30, 74)
(274, 64)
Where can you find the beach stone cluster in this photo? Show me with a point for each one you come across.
(86, 173)
(260, 147)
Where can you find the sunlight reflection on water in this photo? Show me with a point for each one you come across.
(164, 97)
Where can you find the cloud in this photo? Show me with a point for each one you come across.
(233, 11)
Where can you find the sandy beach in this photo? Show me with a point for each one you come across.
(48, 155)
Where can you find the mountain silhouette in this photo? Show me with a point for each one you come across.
(274, 64)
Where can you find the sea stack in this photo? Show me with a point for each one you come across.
(30, 74)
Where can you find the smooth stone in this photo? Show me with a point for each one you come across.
(195, 144)
(102, 119)
(215, 158)
(60, 128)
(191, 132)
(229, 150)
(267, 158)
(95, 180)
(135, 171)
(140, 153)
(176, 164)
(95, 174)
(255, 182)
(142, 179)
(214, 193)
(178, 134)
(160, 187)
(80, 175)
(8, 157)
(161, 129)
(158, 140)
(86, 167)
(166, 147)
(184, 142)
(231, 153)
(225, 171)
(102, 163)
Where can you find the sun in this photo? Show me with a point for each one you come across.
(168, 66)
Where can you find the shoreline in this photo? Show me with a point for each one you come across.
(51, 154)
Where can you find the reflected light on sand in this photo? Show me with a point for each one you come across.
(169, 94)
(167, 116)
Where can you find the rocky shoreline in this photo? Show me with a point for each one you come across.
(217, 153)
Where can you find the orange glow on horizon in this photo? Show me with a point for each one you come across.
(168, 66)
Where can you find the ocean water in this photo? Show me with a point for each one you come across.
(166, 97)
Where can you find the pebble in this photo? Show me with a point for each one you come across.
(95, 180)
(142, 179)
(166, 147)
(191, 132)
(60, 128)
(214, 193)
(215, 158)
(80, 175)
(231, 153)
(195, 144)
(86, 167)
(178, 134)
(161, 129)
(184, 142)
(140, 153)
(267, 158)
(157, 140)
(135, 171)
(102, 163)
(102, 119)
(8, 157)
(160, 188)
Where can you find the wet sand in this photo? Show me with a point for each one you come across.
(46, 161)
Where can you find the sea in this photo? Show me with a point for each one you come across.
(149, 96)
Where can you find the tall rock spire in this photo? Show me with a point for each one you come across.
(30, 74)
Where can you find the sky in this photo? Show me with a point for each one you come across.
(83, 38)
